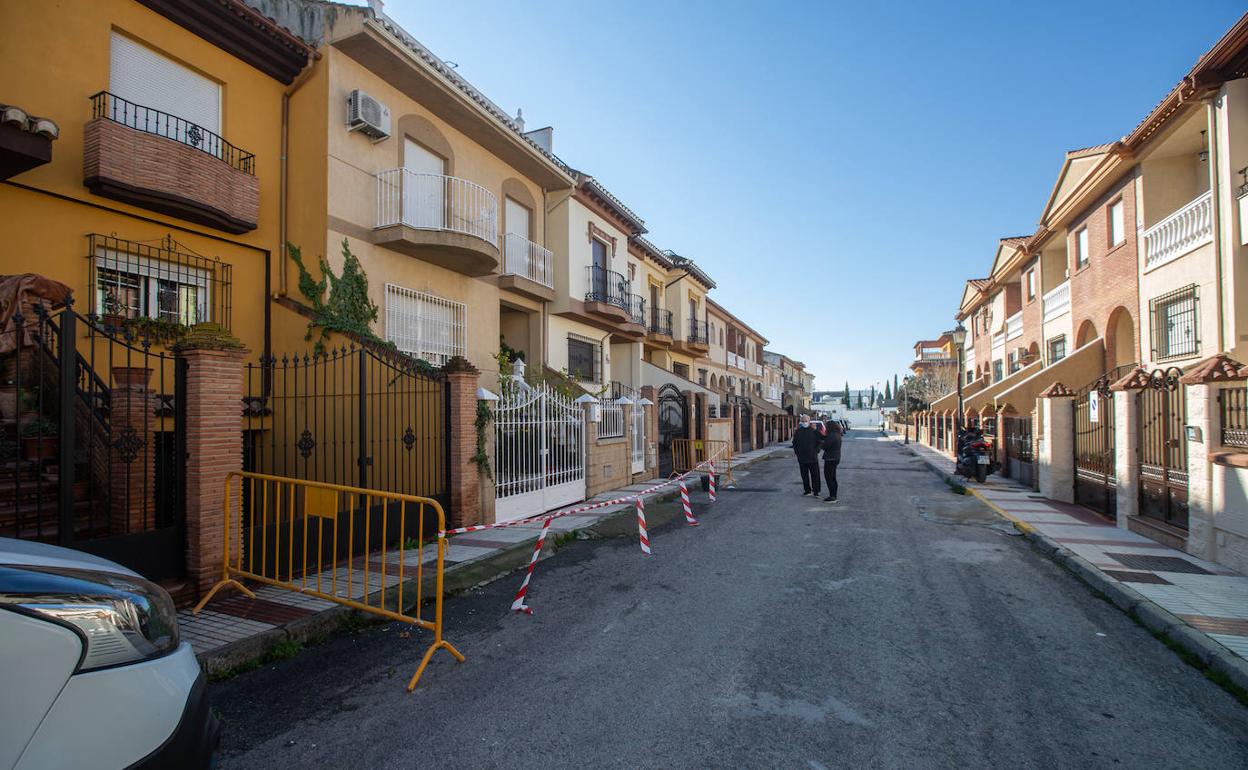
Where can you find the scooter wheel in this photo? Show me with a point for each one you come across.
(981, 473)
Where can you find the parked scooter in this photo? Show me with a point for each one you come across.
(974, 455)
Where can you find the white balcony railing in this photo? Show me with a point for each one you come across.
(998, 341)
(436, 202)
(1057, 302)
(1186, 229)
(1014, 327)
(526, 259)
(757, 369)
(732, 360)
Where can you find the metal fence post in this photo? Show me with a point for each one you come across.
(67, 361)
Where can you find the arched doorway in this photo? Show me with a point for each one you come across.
(673, 424)
(1120, 342)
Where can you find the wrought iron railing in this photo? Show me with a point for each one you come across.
(1233, 408)
(152, 121)
(637, 309)
(607, 286)
(660, 321)
(697, 331)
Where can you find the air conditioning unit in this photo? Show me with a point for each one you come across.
(368, 116)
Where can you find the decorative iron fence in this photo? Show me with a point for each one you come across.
(1163, 448)
(152, 121)
(611, 419)
(637, 309)
(539, 451)
(93, 444)
(1233, 413)
(353, 416)
(697, 331)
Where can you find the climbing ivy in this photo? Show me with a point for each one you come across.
(484, 417)
(340, 303)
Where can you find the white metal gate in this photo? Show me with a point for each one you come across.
(637, 445)
(539, 451)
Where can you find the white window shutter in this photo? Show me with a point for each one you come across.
(140, 75)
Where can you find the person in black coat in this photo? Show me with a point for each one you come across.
(831, 446)
(806, 441)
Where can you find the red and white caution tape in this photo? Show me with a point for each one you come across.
(684, 503)
(642, 535)
(518, 605)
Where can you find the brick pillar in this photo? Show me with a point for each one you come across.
(1204, 381)
(465, 491)
(1127, 443)
(1057, 453)
(132, 466)
(214, 446)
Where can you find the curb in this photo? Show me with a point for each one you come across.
(458, 578)
(1146, 612)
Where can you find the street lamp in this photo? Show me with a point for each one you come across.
(959, 339)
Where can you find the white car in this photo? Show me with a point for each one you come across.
(93, 672)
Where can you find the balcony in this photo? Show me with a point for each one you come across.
(697, 339)
(633, 329)
(527, 268)
(660, 329)
(444, 220)
(1185, 230)
(1057, 302)
(609, 294)
(1014, 327)
(148, 158)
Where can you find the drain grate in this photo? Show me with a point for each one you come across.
(1137, 577)
(1158, 563)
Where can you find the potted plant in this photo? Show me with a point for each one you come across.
(113, 315)
(131, 376)
(39, 439)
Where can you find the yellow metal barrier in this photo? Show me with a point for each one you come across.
(689, 454)
(348, 545)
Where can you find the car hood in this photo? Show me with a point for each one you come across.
(31, 554)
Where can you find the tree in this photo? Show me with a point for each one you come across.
(895, 390)
(846, 394)
(934, 384)
(888, 392)
(872, 401)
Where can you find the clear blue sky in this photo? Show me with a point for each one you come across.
(838, 168)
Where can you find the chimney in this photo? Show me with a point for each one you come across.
(519, 119)
(544, 137)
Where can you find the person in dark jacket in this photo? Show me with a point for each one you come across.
(806, 442)
(831, 446)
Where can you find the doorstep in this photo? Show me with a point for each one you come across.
(1200, 605)
(233, 630)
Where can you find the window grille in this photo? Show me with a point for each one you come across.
(1175, 324)
(164, 282)
(425, 326)
(583, 359)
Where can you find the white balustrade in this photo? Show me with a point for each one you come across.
(526, 259)
(1057, 302)
(1014, 327)
(1186, 229)
(436, 202)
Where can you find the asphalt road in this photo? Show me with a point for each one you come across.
(904, 627)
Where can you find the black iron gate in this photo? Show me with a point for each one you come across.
(673, 424)
(93, 440)
(1163, 448)
(746, 418)
(1016, 443)
(1093, 428)
(353, 416)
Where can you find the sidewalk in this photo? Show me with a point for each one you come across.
(233, 630)
(1200, 605)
